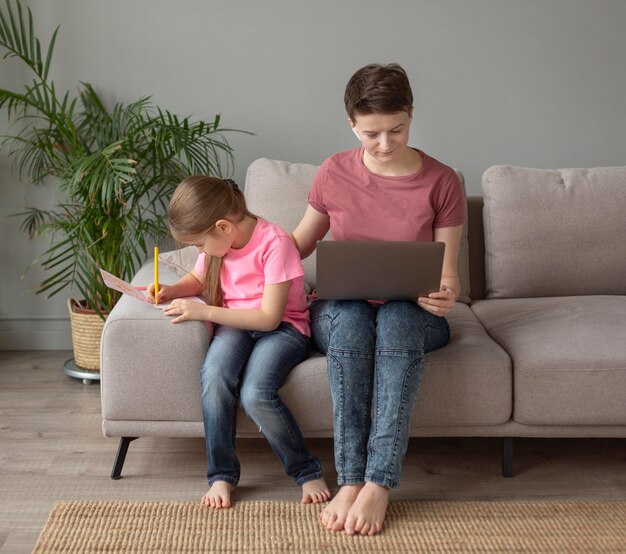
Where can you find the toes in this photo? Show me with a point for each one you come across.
(321, 497)
(376, 528)
(335, 524)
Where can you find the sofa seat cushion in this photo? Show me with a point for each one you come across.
(569, 357)
(467, 382)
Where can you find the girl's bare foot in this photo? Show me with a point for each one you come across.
(334, 515)
(367, 513)
(218, 495)
(314, 492)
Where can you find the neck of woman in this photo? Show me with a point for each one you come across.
(408, 161)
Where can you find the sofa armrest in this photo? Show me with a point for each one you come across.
(144, 358)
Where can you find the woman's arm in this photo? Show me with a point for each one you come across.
(440, 303)
(266, 318)
(312, 228)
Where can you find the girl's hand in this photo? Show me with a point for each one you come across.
(186, 310)
(438, 303)
(165, 293)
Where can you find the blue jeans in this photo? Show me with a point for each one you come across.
(375, 361)
(252, 365)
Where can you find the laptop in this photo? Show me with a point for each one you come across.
(378, 270)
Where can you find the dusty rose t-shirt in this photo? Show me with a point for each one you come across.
(366, 206)
(269, 258)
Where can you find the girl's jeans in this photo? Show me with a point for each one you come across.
(252, 365)
(375, 362)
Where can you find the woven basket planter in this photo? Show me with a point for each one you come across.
(86, 333)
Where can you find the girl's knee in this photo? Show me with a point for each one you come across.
(251, 397)
(214, 383)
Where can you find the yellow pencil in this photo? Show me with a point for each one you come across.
(156, 273)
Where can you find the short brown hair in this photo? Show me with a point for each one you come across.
(378, 88)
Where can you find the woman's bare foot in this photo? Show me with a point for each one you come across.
(315, 492)
(334, 515)
(367, 513)
(218, 495)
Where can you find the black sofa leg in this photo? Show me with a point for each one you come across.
(122, 449)
(507, 457)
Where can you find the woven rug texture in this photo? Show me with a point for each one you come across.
(276, 527)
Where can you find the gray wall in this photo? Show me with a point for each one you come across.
(529, 82)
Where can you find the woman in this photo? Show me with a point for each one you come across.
(384, 190)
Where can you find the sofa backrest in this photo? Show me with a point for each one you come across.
(554, 232)
(277, 191)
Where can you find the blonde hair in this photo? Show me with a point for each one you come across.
(196, 205)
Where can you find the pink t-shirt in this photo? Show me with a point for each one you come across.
(365, 206)
(269, 258)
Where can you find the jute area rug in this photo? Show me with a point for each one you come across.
(274, 527)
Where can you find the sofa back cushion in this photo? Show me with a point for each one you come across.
(554, 232)
(277, 191)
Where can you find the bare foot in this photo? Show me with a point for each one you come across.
(218, 495)
(367, 513)
(315, 492)
(334, 515)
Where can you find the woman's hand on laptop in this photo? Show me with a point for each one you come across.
(438, 303)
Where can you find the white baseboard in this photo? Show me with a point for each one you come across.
(35, 334)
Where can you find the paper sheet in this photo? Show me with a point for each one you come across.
(122, 286)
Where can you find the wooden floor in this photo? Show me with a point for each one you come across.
(52, 448)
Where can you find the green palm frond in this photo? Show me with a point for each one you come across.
(115, 169)
(22, 43)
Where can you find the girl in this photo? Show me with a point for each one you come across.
(250, 273)
(384, 190)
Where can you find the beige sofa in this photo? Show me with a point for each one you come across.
(538, 344)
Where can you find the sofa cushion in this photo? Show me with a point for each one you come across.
(569, 357)
(554, 232)
(278, 190)
(468, 382)
(180, 261)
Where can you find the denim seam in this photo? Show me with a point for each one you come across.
(397, 352)
(350, 353)
(340, 461)
(403, 401)
(402, 415)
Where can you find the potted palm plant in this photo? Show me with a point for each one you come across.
(114, 168)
